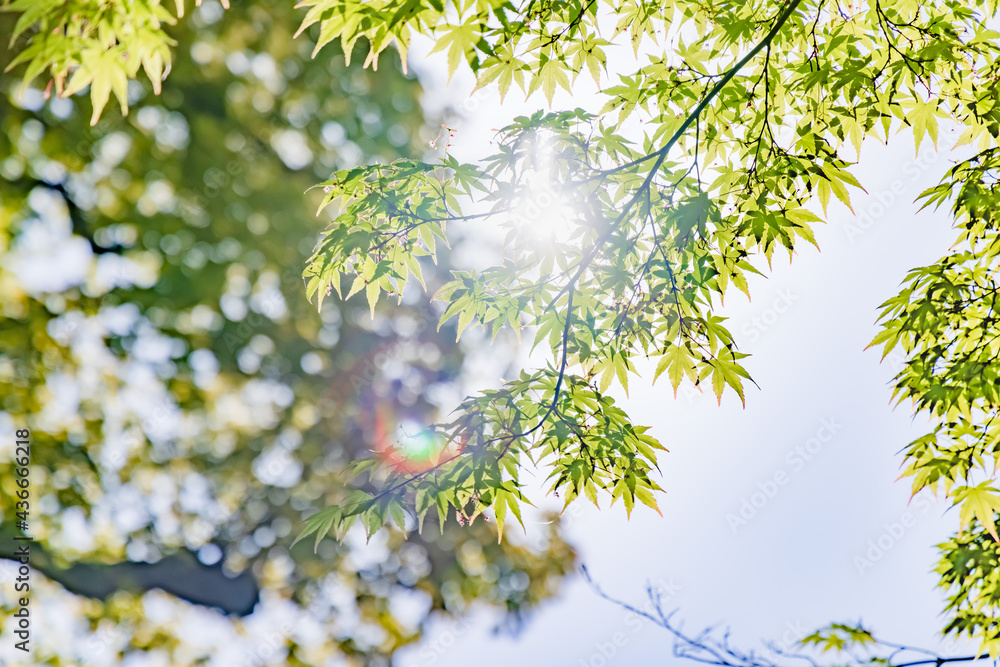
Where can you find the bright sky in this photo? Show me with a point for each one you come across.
(826, 533)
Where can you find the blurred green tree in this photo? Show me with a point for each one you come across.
(188, 407)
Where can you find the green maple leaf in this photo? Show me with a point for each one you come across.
(979, 502)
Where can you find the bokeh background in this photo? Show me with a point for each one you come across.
(189, 408)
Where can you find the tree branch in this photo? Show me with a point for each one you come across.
(709, 649)
(180, 574)
(661, 154)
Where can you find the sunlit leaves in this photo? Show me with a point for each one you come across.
(970, 574)
(944, 320)
(458, 41)
(593, 447)
(678, 362)
(487, 35)
(103, 71)
(839, 637)
(98, 45)
(395, 211)
(379, 22)
(652, 250)
(645, 247)
(923, 118)
(551, 75)
(981, 502)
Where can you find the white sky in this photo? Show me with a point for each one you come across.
(795, 563)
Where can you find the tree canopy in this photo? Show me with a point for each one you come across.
(750, 112)
(737, 125)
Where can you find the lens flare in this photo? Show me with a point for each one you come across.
(409, 446)
(545, 213)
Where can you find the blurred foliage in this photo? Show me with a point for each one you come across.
(182, 393)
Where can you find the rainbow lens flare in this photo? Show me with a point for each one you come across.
(408, 445)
